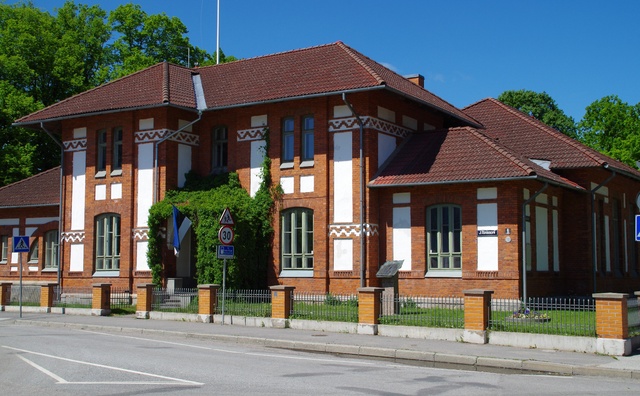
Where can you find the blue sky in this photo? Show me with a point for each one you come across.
(576, 51)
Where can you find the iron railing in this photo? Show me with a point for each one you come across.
(255, 303)
(182, 300)
(30, 295)
(634, 317)
(560, 316)
(72, 297)
(324, 306)
(445, 312)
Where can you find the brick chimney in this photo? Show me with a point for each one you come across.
(417, 79)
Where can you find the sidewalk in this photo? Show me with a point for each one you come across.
(425, 352)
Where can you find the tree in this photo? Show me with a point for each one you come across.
(542, 107)
(612, 127)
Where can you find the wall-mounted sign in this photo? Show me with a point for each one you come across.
(483, 233)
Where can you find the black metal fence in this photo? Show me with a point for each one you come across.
(182, 300)
(325, 306)
(445, 312)
(255, 303)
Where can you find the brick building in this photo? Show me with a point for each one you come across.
(373, 168)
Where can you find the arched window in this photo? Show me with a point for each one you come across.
(297, 239)
(444, 237)
(107, 242)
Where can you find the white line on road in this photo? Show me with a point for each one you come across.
(44, 370)
(106, 367)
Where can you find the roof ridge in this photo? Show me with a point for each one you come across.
(26, 179)
(358, 58)
(550, 131)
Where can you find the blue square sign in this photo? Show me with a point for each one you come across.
(21, 244)
(225, 251)
(637, 228)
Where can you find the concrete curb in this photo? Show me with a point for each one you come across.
(429, 359)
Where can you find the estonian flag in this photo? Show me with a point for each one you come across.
(181, 224)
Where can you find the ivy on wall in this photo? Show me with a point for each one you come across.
(202, 200)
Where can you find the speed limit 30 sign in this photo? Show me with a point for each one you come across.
(225, 235)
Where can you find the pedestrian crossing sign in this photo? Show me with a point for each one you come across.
(637, 228)
(21, 244)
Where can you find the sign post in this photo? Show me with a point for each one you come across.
(20, 245)
(226, 250)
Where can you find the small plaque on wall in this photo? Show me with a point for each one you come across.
(483, 233)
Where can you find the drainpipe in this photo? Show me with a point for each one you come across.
(594, 259)
(61, 204)
(362, 231)
(524, 240)
(155, 157)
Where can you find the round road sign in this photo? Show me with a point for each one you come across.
(225, 235)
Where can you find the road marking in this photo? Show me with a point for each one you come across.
(182, 381)
(44, 370)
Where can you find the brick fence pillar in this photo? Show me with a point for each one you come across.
(101, 299)
(369, 307)
(612, 323)
(207, 302)
(281, 301)
(145, 298)
(477, 312)
(5, 294)
(46, 295)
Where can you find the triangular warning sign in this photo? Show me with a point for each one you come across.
(226, 218)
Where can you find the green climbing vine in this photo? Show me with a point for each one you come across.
(202, 200)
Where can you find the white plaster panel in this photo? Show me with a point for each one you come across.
(40, 220)
(184, 163)
(343, 254)
(307, 184)
(287, 184)
(146, 123)
(341, 111)
(607, 239)
(386, 114)
(257, 156)
(556, 240)
(79, 133)
(487, 219)
(402, 236)
(542, 233)
(409, 122)
(144, 195)
(116, 191)
(259, 120)
(9, 222)
(76, 258)
(342, 178)
(141, 256)
(30, 230)
(402, 198)
(386, 146)
(78, 190)
(487, 193)
(101, 192)
(15, 258)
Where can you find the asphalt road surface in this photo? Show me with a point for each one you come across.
(59, 361)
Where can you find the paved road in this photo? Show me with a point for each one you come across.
(51, 360)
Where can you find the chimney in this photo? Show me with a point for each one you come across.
(417, 79)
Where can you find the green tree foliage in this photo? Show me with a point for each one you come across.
(612, 127)
(542, 107)
(46, 58)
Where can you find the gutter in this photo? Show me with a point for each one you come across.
(524, 240)
(594, 259)
(362, 187)
(490, 180)
(60, 204)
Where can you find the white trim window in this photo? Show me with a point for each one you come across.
(307, 138)
(101, 151)
(4, 248)
(34, 251)
(297, 239)
(287, 139)
(117, 150)
(51, 249)
(444, 237)
(108, 242)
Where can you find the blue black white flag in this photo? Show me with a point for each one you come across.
(181, 224)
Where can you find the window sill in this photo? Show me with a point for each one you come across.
(308, 273)
(307, 164)
(106, 274)
(117, 172)
(444, 274)
(49, 270)
(101, 175)
(286, 165)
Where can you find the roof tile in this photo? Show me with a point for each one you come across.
(42, 189)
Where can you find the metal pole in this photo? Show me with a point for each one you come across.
(20, 302)
(224, 285)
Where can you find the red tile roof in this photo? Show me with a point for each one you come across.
(458, 155)
(42, 189)
(331, 68)
(536, 140)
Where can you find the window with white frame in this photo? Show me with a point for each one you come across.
(219, 149)
(4, 248)
(307, 138)
(34, 249)
(107, 242)
(51, 249)
(101, 151)
(444, 237)
(287, 139)
(297, 239)
(117, 150)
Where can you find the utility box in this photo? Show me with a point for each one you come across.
(388, 275)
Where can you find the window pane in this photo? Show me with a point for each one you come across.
(444, 236)
(117, 149)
